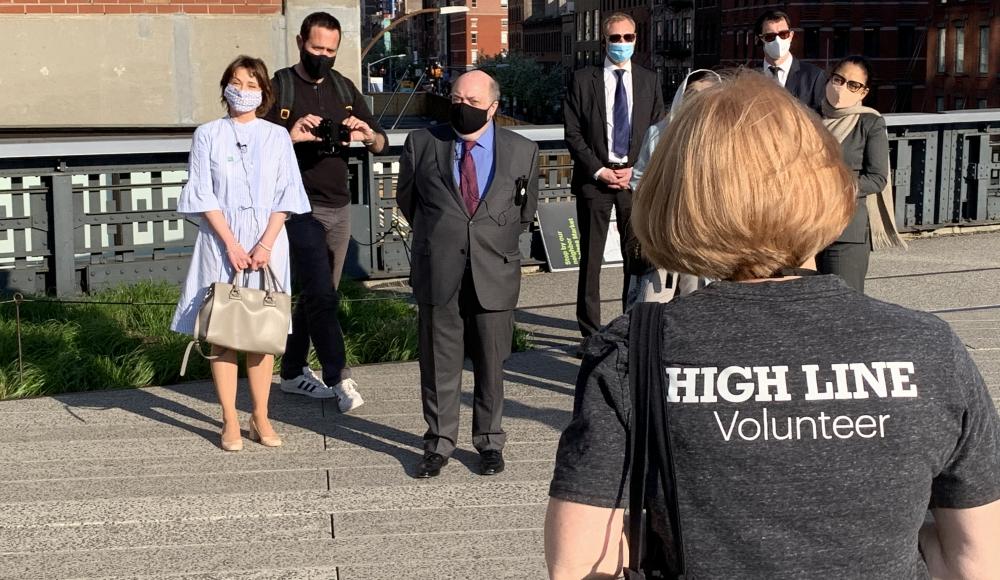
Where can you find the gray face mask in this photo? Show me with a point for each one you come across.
(242, 101)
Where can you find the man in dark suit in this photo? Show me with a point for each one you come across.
(608, 110)
(468, 190)
(806, 81)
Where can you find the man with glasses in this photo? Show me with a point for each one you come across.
(806, 81)
(608, 110)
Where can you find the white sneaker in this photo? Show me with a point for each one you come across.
(307, 384)
(347, 395)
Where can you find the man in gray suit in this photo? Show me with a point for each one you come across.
(468, 190)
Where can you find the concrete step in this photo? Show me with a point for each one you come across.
(433, 552)
(452, 489)
(260, 460)
(464, 468)
(341, 526)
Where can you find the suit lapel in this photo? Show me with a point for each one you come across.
(602, 105)
(446, 160)
(497, 148)
(793, 77)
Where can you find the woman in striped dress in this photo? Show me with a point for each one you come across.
(243, 181)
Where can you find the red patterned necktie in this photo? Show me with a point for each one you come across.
(468, 182)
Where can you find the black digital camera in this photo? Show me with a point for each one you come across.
(332, 135)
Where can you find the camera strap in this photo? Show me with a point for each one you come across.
(284, 86)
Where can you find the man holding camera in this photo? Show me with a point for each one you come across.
(324, 112)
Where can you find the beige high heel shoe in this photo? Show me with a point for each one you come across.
(255, 435)
(234, 445)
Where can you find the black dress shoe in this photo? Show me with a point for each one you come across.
(430, 465)
(492, 462)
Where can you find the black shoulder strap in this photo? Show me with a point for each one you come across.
(343, 90)
(651, 457)
(285, 87)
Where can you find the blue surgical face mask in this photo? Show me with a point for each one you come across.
(620, 52)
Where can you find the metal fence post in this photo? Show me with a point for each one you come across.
(62, 261)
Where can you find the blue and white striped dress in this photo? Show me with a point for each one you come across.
(247, 184)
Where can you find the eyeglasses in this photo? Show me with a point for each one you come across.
(615, 38)
(853, 86)
(770, 36)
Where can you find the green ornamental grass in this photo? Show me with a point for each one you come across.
(70, 347)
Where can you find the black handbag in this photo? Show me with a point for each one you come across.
(651, 457)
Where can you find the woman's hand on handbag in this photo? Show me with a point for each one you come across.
(260, 256)
(238, 257)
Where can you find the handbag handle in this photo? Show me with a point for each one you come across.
(268, 282)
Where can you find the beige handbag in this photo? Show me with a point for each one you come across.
(244, 319)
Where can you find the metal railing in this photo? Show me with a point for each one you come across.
(80, 213)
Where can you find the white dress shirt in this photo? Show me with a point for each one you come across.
(610, 84)
(783, 70)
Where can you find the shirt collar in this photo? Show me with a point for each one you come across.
(786, 66)
(609, 65)
(485, 140)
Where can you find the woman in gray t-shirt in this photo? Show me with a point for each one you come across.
(811, 427)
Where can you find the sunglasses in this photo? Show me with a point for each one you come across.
(615, 38)
(839, 81)
(770, 36)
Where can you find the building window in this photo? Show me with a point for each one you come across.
(597, 25)
(473, 3)
(475, 56)
(941, 45)
(984, 49)
(586, 25)
(871, 42)
(983, 104)
(959, 50)
(959, 103)
(905, 41)
(841, 41)
(475, 22)
(503, 23)
(939, 104)
(475, 38)
(738, 45)
(503, 37)
(812, 42)
(503, 2)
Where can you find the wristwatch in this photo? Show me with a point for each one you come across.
(369, 142)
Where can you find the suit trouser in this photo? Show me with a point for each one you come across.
(447, 332)
(849, 260)
(315, 314)
(594, 217)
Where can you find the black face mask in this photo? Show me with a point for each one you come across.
(466, 119)
(315, 65)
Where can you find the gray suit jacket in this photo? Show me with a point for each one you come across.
(446, 238)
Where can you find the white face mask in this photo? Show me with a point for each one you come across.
(777, 48)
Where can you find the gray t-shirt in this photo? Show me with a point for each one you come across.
(811, 428)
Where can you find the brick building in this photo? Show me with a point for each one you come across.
(963, 56)
(891, 34)
(481, 32)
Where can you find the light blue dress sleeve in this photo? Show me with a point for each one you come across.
(289, 193)
(649, 142)
(198, 195)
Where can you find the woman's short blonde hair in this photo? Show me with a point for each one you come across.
(745, 181)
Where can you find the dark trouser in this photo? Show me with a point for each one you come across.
(315, 314)
(446, 333)
(848, 260)
(594, 216)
